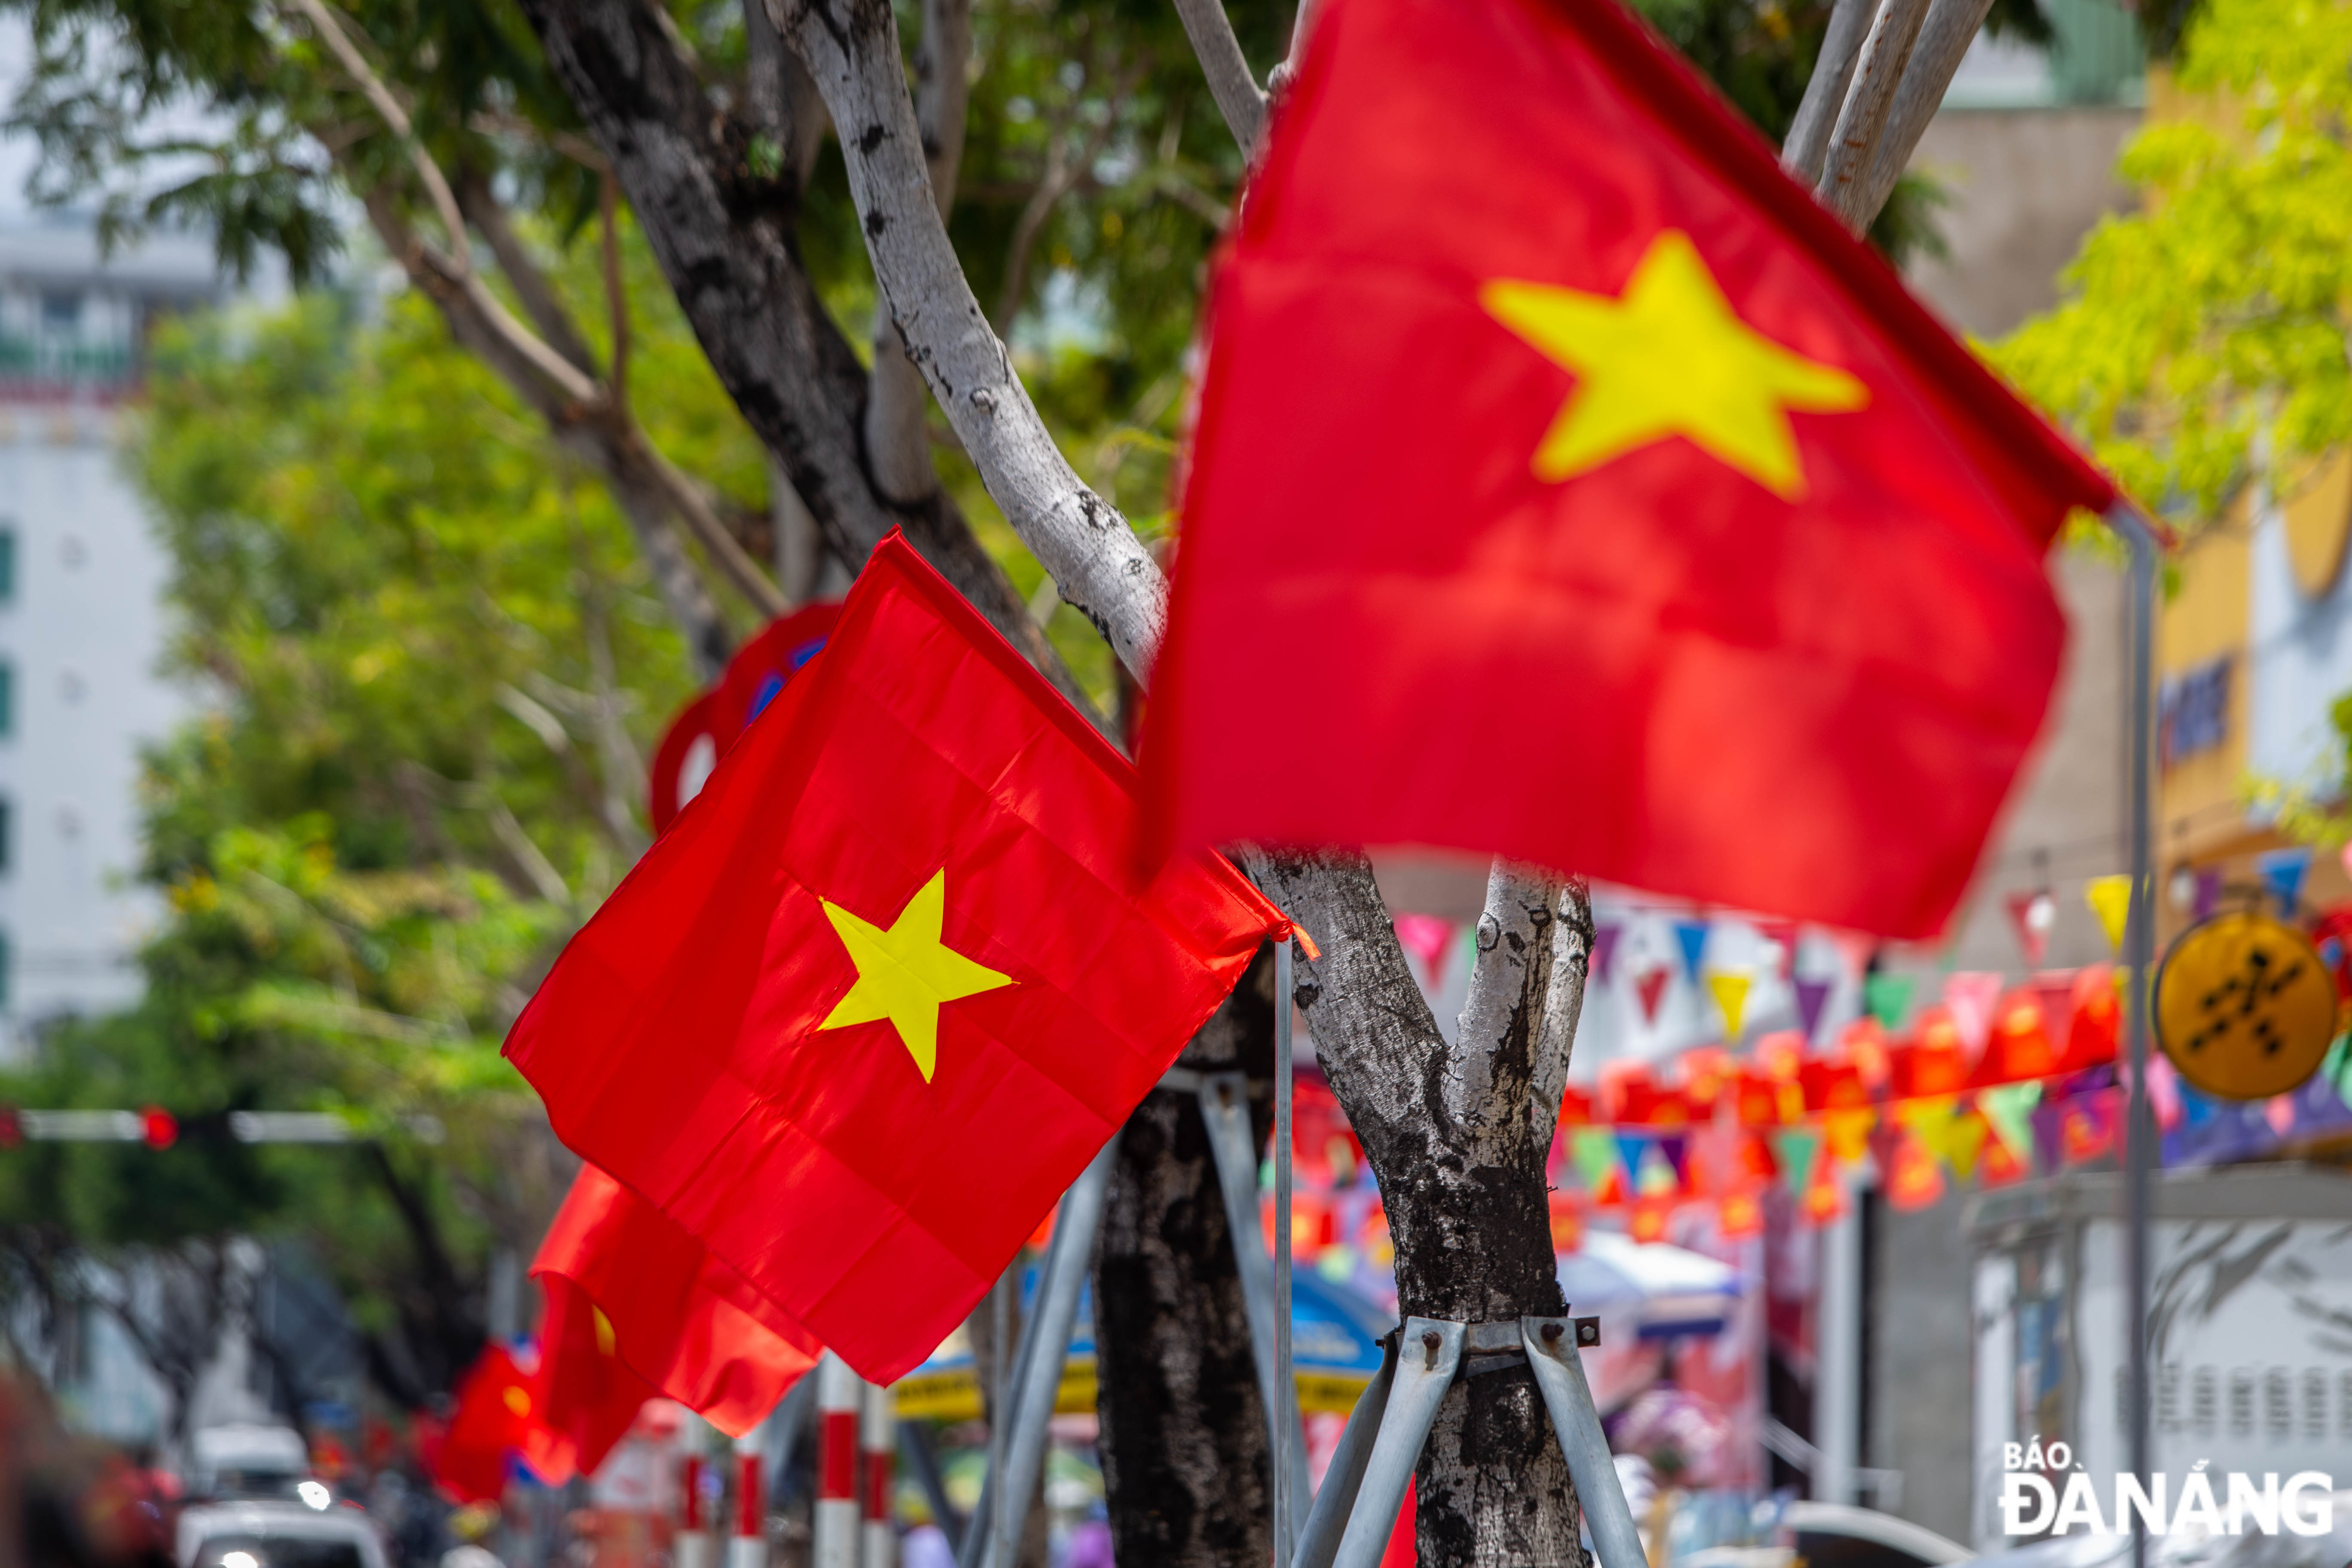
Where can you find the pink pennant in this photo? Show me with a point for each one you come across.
(1972, 995)
(1428, 939)
(1781, 935)
(2278, 1111)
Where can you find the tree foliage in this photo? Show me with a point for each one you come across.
(432, 665)
(2203, 337)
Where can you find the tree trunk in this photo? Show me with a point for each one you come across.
(1183, 1426)
(1459, 1137)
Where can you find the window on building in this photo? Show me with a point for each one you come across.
(7, 700)
(7, 561)
(7, 835)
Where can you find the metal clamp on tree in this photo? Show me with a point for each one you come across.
(1365, 1486)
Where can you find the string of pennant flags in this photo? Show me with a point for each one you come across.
(1986, 1083)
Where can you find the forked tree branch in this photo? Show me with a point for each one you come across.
(851, 47)
(1239, 98)
(1808, 142)
(519, 353)
(1952, 26)
(1877, 71)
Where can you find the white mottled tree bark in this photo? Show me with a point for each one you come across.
(1101, 568)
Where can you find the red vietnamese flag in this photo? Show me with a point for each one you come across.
(586, 1392)
(889, 982)
(1610, 505)
(646, 1310)
(498, 1417)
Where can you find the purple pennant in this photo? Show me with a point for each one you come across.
(2047, 1144)
(1604, 950)
(1812, 995)
(1677, 1149)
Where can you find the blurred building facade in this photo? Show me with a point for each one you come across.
(82, 624)
(2025, 149)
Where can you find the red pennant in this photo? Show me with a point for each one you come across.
(1739, 1214)
(2033, 915)
(1651, 988)
(1915, 1179)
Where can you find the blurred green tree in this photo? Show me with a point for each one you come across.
(2202, 341)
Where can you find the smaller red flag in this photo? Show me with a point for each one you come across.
(670, 1315)
(587, 1392)
(861, 1015)
(498, 1417)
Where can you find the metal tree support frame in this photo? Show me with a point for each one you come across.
(1349, 1523)
(1365, 1486)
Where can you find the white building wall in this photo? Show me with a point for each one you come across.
(81, 636)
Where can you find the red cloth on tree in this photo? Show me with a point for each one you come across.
(1568, 483)
(858, 1017)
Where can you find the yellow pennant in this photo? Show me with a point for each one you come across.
(1964, 1140)
(1848, 1131)
(1930, 1121)
(1731, 996)
(2110, 899)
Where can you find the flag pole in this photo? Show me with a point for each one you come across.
(1285, 1387)
(2139, 952)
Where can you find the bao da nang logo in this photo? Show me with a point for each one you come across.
(2034, 1502)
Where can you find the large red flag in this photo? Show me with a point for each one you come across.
(1568, 483)
(648, 1310)
(889, 982)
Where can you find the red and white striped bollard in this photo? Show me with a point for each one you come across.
(837, 1525)
(749, 1549)
(877, 1434)
(696, 1546)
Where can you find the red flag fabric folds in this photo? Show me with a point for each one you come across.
(867, 1007)
(1605, 502)
(660, 1315)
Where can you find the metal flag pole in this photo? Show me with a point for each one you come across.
(1286, 1385)
(2139, 953)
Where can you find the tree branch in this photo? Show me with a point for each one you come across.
(1952, 26)
(851, 47)
(1877, 71)
(641, 499)
(521, 270)
(1808, 142)
(897, 404)
(724, 234)
(617, 293)
(1239, 98)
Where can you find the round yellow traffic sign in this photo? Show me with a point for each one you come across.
(2244, 1006)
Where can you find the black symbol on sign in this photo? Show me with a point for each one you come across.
(2239, 999)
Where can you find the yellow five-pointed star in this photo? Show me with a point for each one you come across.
(1669, 357)
(906, 974)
